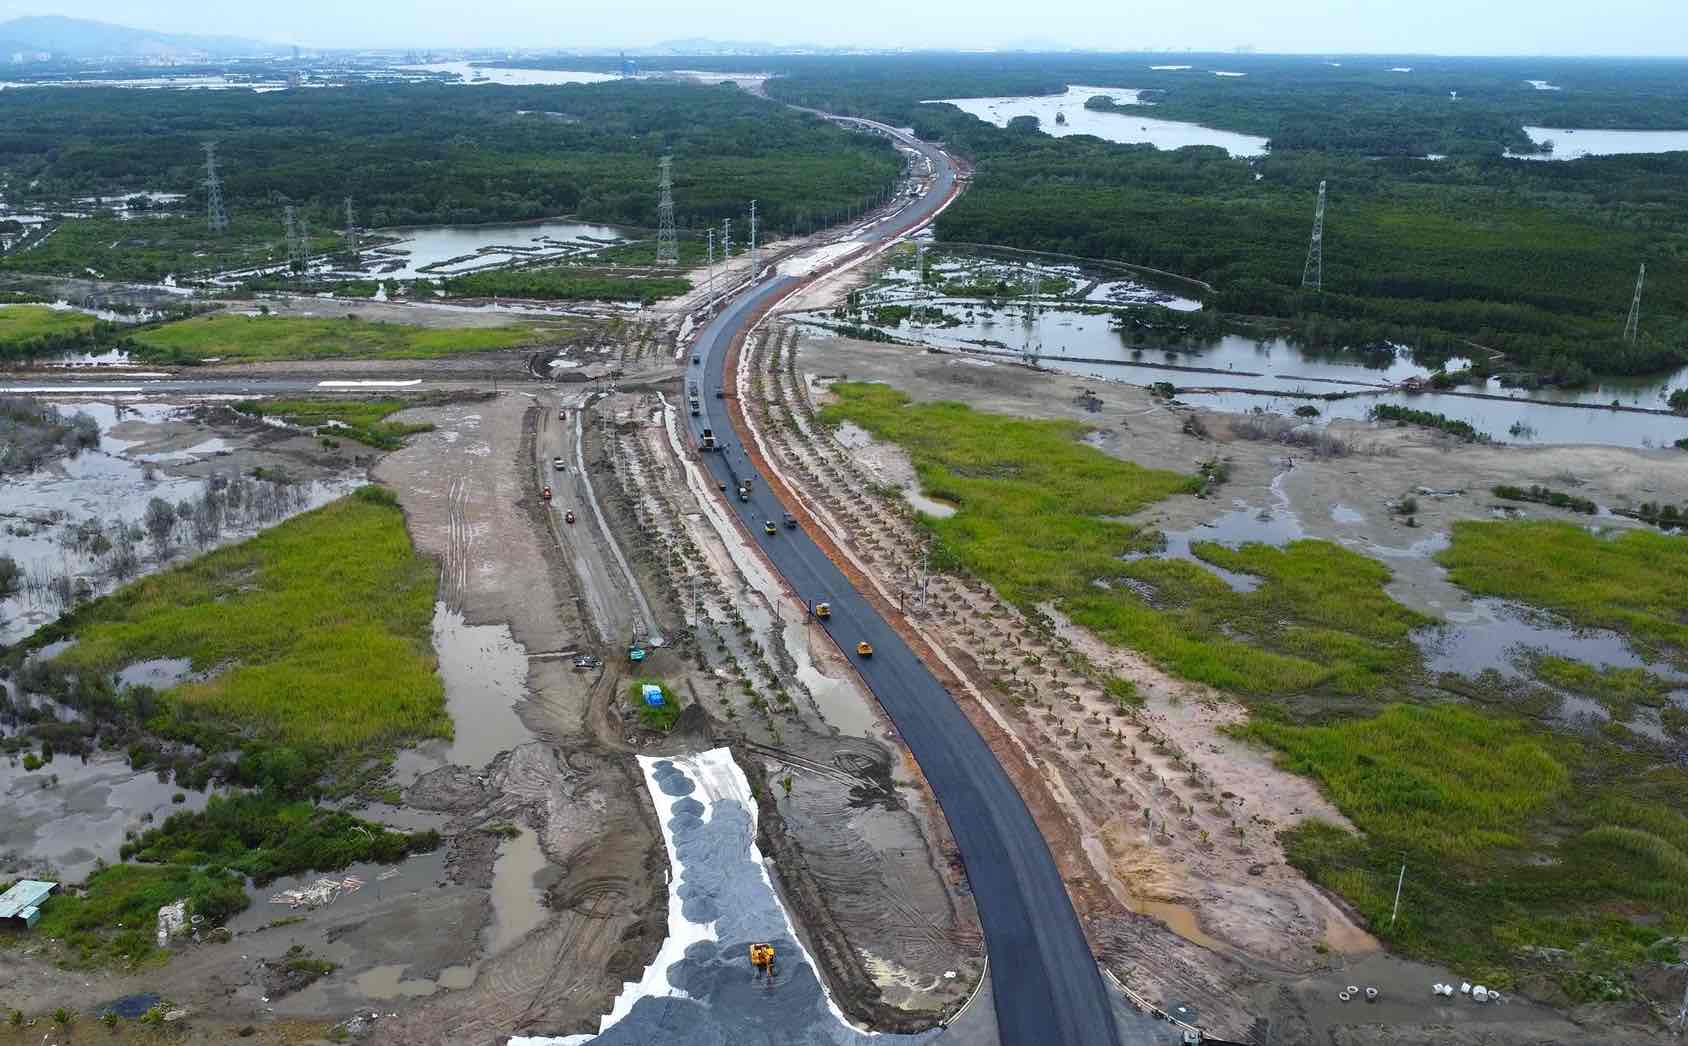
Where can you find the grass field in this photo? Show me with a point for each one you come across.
(27, 322)
(1634, 581)
(245, 338)
(362, 420)
(1037, 516)
(316, 633)
(659, 717)
(1513, 839)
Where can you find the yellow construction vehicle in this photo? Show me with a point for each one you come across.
(762, 958)
(864, 648)
(823, 610)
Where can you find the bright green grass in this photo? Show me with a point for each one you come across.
(1619, 690)
(1635, 582)
(1037, 516)
(362, 420)
(1512, 837)
(26, 322)
(319, 631)
(242, 338)
(661, 717)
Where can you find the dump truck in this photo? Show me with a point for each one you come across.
(697, 408)
(744, 490)
(762, 958)
(707, 440)
(790, 521)
(864, 648)
(823, 610)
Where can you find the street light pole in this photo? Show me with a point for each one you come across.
(1401, 881)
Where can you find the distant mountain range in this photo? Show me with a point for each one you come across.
(76, 38)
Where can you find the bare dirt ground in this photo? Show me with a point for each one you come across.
(1174, 819)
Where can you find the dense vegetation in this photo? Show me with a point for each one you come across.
(566, 283)
(423, 153)
(1533, 259)
(241, 338)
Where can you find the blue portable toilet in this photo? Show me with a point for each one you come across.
(653, 695)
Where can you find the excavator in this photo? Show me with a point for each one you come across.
(762, 959)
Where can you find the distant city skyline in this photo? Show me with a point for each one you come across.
(1553, 28)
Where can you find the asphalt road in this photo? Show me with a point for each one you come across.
(1045, 984)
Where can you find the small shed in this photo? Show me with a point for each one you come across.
(20, 907)
(653, 695)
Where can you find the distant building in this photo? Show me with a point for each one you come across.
(20, 907)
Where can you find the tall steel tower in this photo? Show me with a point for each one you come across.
(752, 241)
(298, 241)
(1313, 275)
(726, 240)
(351, 233)
(216, 216)
(1633, 326)
(710, 233)
(667, 243)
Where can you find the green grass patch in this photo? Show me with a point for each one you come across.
(1514, 839)
(654, 717)
(317, 632)
(27, 322)
(1635, 582)
(113, 918)
(566, 283)
(1038, 515)
(361, 420)
(1619, 690)
(244, 338)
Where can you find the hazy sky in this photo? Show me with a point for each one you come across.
(1559, 27)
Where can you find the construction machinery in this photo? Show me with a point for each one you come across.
(762, 958)
(769, 528)
(790, 521)
(864, 648)
(635, 649)
(707, 440)
(823, 610)
(744, 491)
(546, 493)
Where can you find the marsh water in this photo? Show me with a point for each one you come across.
(1064, 114)
(1576, 142)
(451, 250)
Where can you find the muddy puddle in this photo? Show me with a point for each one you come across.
(356, 889)
(517, 906)
(69, 815)
(485, 675)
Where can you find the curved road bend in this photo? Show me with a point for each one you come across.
(1047, 988)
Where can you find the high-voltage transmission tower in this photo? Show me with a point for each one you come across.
(298, 241)
(667, 243)
(1313, 274)
(726, 240)
(216, 216)
(752, 241)
(351, 233)
(1633, 326)
(711, 238)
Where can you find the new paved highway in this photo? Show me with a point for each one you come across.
(1045, 984)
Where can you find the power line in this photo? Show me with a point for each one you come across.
(351, 233)
(752, 241)
(1313, 275)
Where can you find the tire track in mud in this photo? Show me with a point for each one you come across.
(459, 548)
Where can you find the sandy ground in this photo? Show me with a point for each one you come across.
(1174, 819)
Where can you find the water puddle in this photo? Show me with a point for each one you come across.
(160, 673)
(1494, 634)
(1181, 921)
(1244, 525)
(69, 815)
(485, 674)
(931, 506)
(389, 982)
(517, 909)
